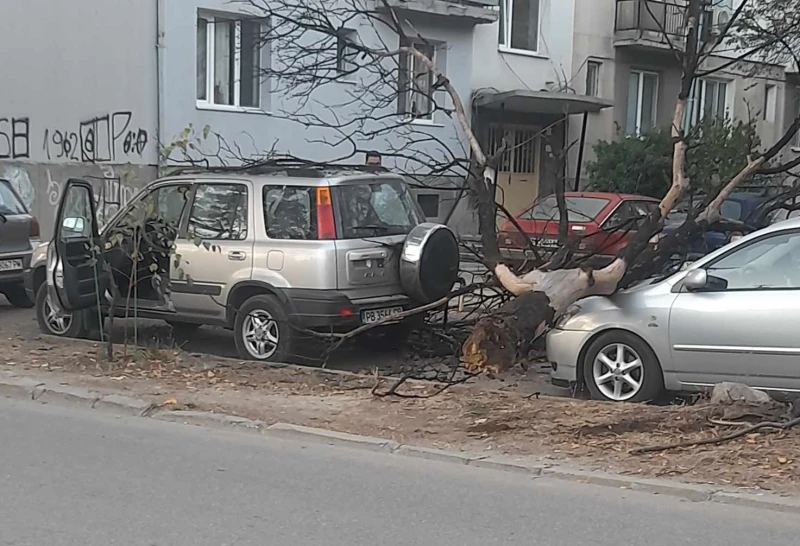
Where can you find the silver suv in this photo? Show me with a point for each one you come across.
(267, 252)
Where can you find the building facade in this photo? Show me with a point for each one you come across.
(115, 91)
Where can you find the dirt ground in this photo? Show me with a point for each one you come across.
(467, 417)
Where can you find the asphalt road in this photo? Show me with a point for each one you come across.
(79, 478)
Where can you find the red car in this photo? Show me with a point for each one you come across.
(599, 223)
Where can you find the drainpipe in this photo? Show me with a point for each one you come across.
(160, 39)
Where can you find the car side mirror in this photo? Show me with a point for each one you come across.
(696, 279)
(74, 225)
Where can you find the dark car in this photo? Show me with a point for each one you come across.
(741, 207)
(19, 233)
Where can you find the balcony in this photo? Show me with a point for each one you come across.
(648, 24)
(471, 12)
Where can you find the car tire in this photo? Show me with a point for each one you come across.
(18, 297)
(621, 367)
(262, 331)
(70, 325)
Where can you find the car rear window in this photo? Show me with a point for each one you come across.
(579, 209)
(375, 209)
(9, 203)
(290, 212)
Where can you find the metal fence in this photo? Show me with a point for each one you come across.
(661, 16)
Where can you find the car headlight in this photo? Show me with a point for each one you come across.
(571, 311)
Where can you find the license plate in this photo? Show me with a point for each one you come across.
(546, 243)
(10, 265)
(376, 315)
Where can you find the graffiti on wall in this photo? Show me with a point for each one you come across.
(15, 142)
(96, 140)
(110, 192)
(108, 138)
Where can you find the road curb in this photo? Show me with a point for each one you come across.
(47, 393)
(692, 492)
(22, 388)
(331, 437)
(208, 418)
(120, 404)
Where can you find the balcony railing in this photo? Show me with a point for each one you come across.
(664, 17)
(472, 11)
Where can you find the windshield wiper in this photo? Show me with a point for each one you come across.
(3, 218)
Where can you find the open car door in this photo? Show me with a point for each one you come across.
(75, 256)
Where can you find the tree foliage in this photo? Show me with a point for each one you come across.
(643, 165)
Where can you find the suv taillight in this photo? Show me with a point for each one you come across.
(34, 228)
(326, 228)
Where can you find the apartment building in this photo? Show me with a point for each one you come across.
(101, 90)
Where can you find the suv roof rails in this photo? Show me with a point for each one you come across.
(282, 166)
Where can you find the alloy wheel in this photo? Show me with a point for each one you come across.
(261, 334)
(618, 372)
(57, 321)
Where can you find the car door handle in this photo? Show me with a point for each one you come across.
(237, 255)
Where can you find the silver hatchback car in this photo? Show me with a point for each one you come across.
(734, 315)
(268, 252)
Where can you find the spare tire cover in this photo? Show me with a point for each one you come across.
(429, 263)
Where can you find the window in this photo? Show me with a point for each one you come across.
(642, 102)
(770, 102)
(229, 61)
(796, 140)
(429, 203)
(593, 79)
(290, 212)
(9, 204)
(579, 209)
(519, 25)
(345, 54)
(772, 262)
(712, 102)
(219, 212)
(416, 83)
(375, 209)
(629, 216)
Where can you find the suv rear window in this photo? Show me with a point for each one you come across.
(9, 203)
(374, 209)
(579, 209)
(290, 212)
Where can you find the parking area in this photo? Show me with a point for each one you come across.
(219, 342)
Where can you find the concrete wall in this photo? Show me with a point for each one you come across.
(78, 97)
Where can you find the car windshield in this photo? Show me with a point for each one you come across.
(373, 209)
(9, 202)
(729, 209)
(579, 209)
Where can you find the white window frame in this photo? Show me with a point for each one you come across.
(344, 62)
(699, 102)
(796, 101)
(410, 63)
(596, 81)
(208, 103)
(770, 114)
(504, 42)
(640, 100)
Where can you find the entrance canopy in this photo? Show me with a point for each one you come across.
(540, 102)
